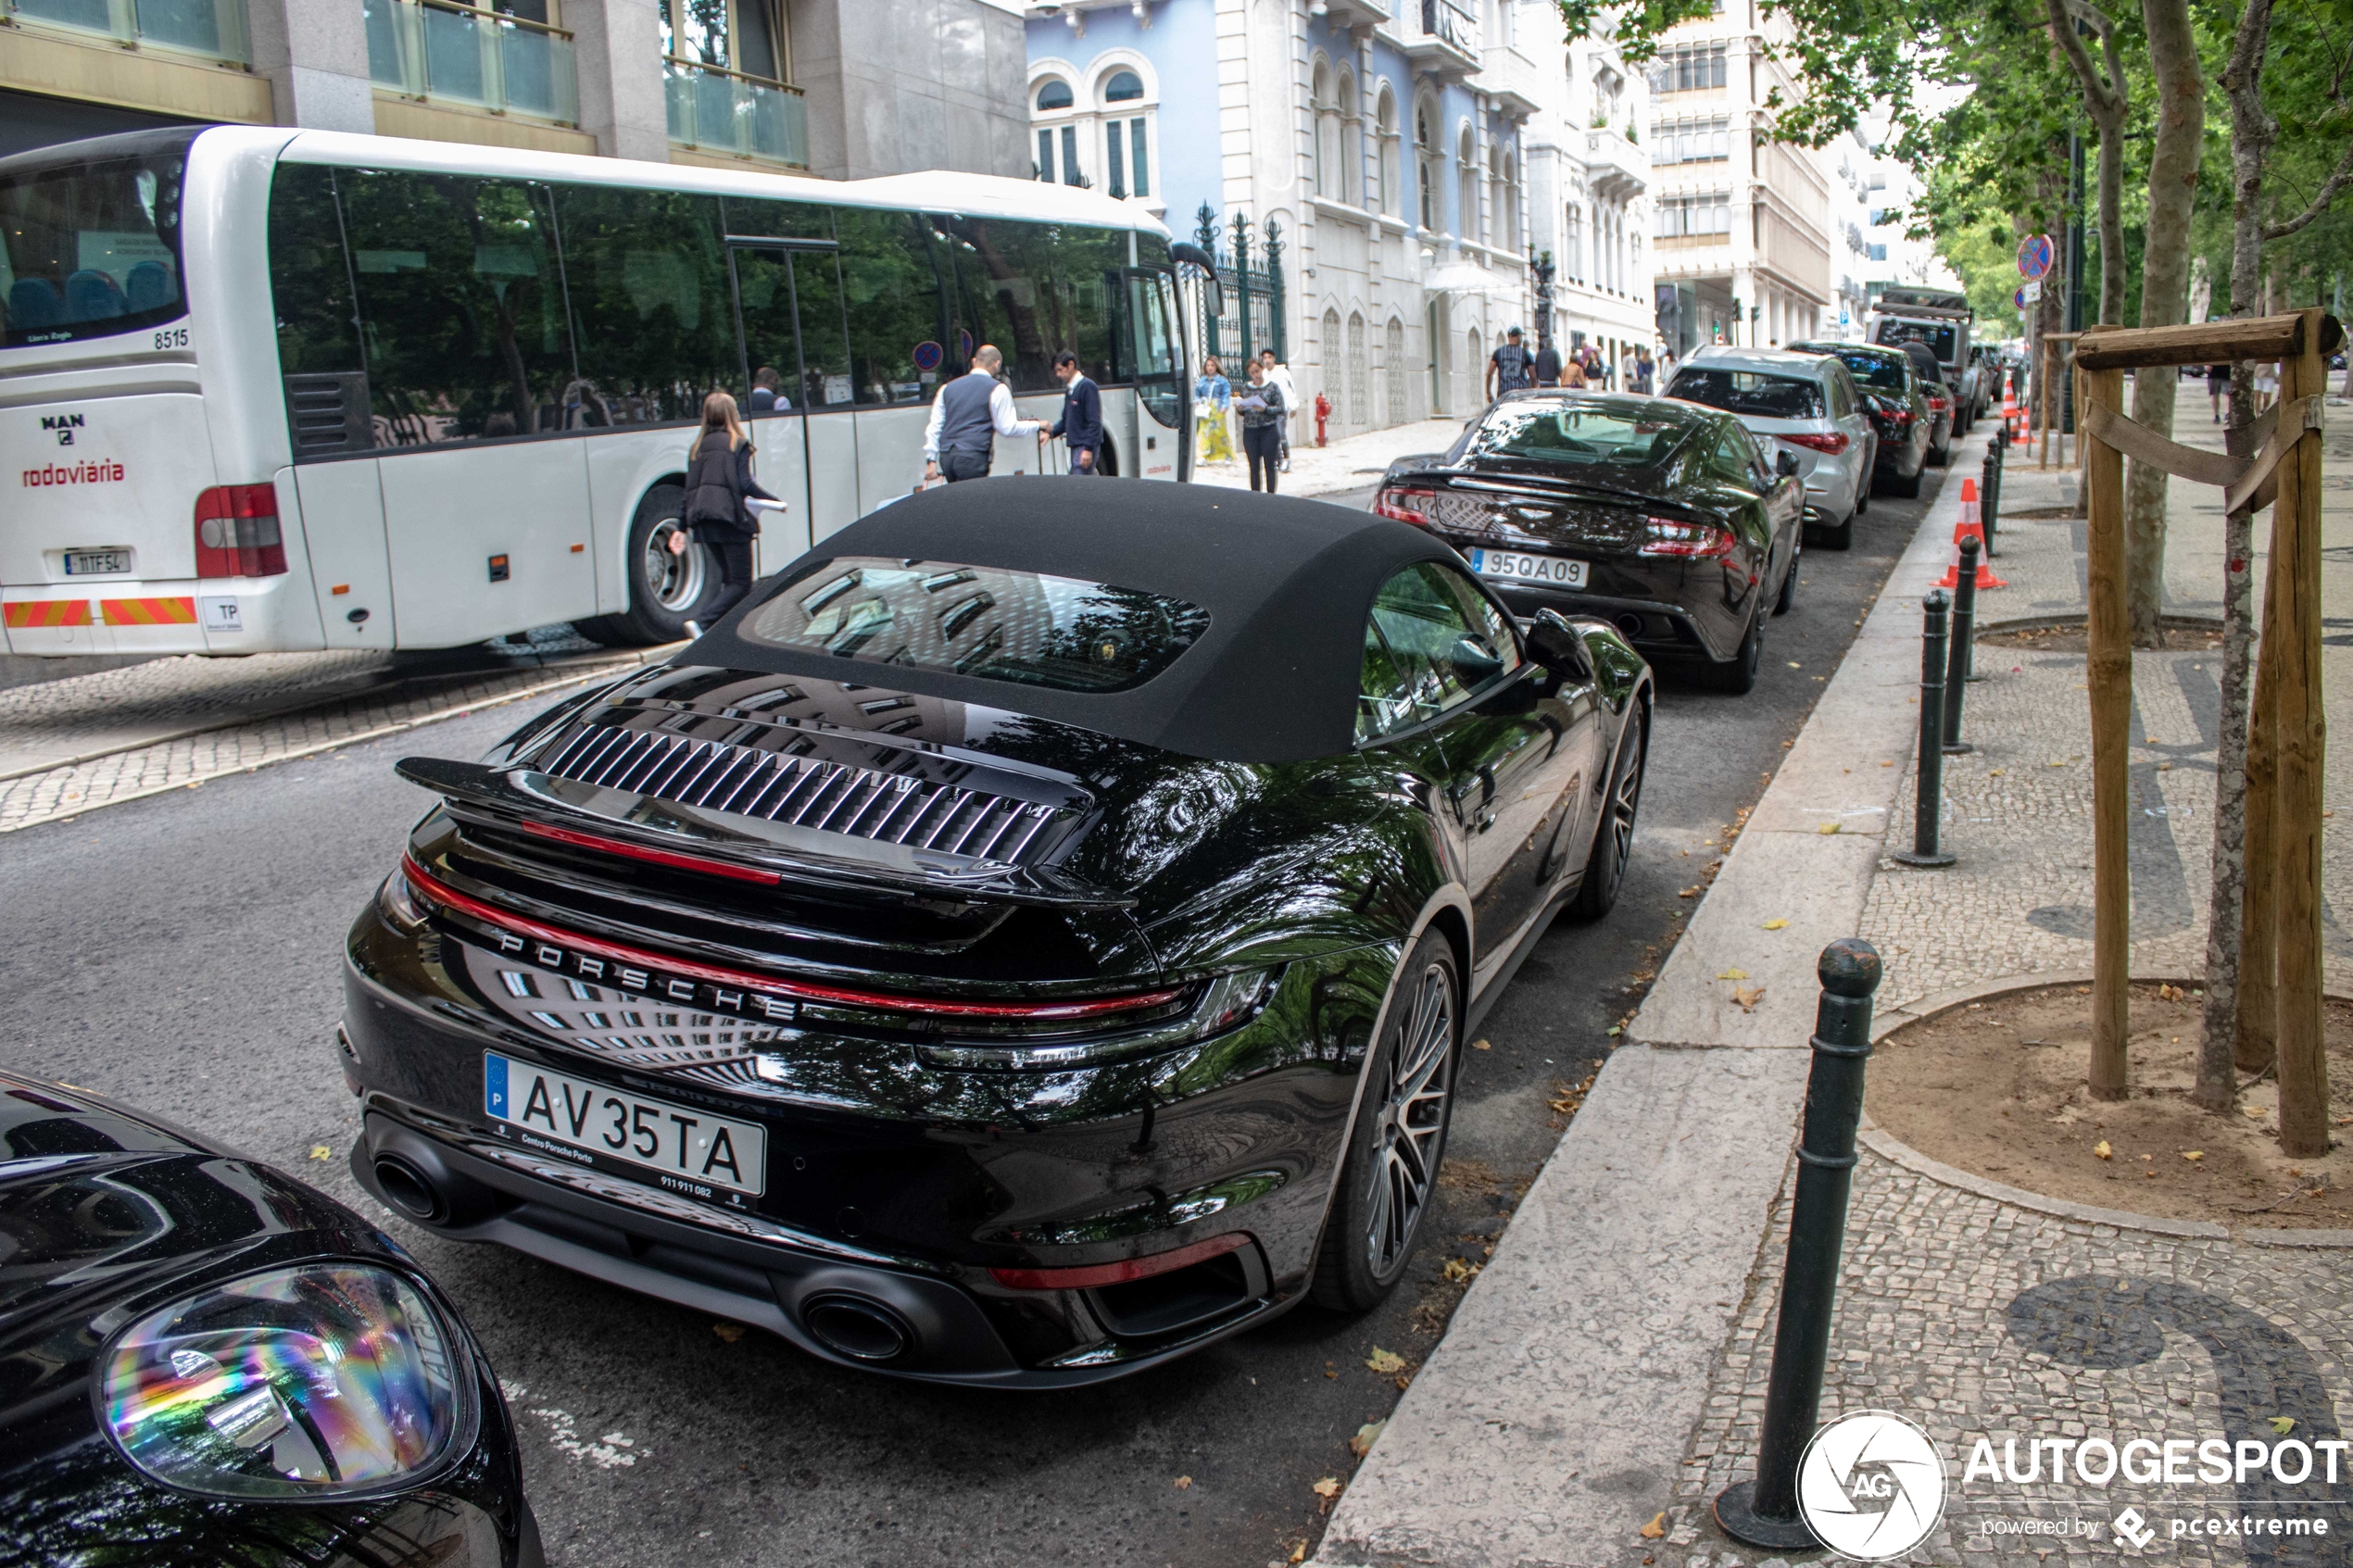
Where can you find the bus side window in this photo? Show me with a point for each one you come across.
(460, 304)
(325, 381)
(996, 297)
(650, 309)
(825, 350)
(754, 218)
(899, 340)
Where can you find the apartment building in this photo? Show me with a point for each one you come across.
(1588, 173)
(1740, 233)
(1374, 150)
(842, 89)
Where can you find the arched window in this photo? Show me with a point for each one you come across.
(1319, 105)
(1387, 133)
(1330, 353)
(1359, 410)
(1110, 129)
(1053, 94)
(1125, 87)
(1510, 238)
(1426, 166)
(1350, 185)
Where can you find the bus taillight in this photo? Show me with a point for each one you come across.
(237, 531)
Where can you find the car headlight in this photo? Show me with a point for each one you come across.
(317, 1381)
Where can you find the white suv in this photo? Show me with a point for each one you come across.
(1806, 405)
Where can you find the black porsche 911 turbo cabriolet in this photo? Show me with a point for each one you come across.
(1662, 516)
(1030, 938)
(204, 1362)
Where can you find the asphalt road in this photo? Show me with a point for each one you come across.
(181, 953)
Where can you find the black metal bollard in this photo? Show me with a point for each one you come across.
(1989, 494)
(1764, 1512)
(1957, 659)
(1931, 797)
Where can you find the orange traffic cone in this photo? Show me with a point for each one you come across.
(2011, 411)
(1972, 526)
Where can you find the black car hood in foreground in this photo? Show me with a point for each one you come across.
(106, 1214)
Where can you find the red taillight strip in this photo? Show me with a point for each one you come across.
(441, 892)
(1091, 1277)
(655, 857)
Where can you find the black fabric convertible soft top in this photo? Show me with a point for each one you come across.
(1288, 584)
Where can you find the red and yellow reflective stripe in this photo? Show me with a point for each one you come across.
(179, 611)
(21, 614)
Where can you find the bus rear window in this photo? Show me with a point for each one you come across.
(90, 247)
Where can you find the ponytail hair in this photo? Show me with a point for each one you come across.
(719, 415)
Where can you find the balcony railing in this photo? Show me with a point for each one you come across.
(714, 110)
(447, 53)
(214, 29)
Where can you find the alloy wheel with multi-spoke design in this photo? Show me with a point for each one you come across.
(1411, 1132)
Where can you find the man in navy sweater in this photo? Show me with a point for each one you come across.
(1082, 421)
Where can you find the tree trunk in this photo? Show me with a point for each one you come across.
(2105, 100)
(2165, 293)
(2217, 1086)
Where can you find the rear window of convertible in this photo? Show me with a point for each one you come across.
(1026, 627)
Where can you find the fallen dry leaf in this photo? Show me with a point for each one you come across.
(1890, 763)
(1403, 1380)
(320, 1151)
(1366, 1434)
(1298, 1552)
(2253, 1111)
(2284, 1424)
(1993, 772)
(2192, 1155)
(1617, 1029)
(1327, 1489)
(1745, 997)
(730, 1332)
(2170, 993)
(1655, 1529)
(1481, 1046)
(1184, 1483)
(1733, 975)
(1385, 1360)
(1827, 830)
(1774, 925)
(1457, 1270)
(2102, 1149)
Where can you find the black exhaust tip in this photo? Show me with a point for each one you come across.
(853, 1326)
(1629, 625)
(411, 1190)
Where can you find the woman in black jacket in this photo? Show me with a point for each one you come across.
(718, 483)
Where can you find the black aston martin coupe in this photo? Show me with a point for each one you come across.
(1664, 516)
(205, 1363)
(1030, 938)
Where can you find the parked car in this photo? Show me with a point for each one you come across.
(203, 1360)
(1663, 518)
(1805, 404)
(1944, 320)
(1015, 947)
(1897, 404)
(1940, 402)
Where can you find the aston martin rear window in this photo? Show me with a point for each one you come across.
(1024, 627)
(1749, 392)
(1620, 434)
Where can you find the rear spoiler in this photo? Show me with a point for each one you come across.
(508, 797)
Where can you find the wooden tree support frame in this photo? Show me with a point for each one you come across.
(2283, 872)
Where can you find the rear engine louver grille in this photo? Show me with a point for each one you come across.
(808, 792)
(329, 413)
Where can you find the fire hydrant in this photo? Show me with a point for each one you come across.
(1323, 413)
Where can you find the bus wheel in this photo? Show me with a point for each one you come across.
(664, 588)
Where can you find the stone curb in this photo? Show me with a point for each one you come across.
(1891, 1149)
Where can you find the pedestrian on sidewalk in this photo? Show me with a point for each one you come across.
(1263, 411)
(1509, 367)
(1629, 369)
(720, 488)
(1644, 369)
(1279, 376)
(1081, 425)
(2217, 383)
(1213, 401)
(966, 418)
(1548, 364)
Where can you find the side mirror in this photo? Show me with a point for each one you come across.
(1785, 463)
(1555, 644)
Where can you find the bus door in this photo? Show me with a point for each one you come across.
(798, 391)
(1157, 434)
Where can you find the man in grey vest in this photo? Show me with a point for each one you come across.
(966, 418)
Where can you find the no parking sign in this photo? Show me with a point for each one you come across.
(2034, 257)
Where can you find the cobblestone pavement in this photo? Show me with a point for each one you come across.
(1953, 1310)
(73, 745)
(1967, 1313)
